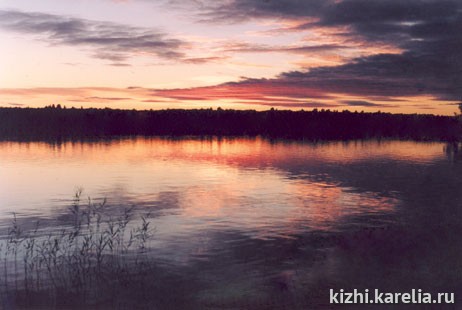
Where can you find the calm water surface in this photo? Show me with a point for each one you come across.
(253, 223)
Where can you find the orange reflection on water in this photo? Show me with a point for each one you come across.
(239, 151)
(278, 208)
(258, 151)
(266, 188)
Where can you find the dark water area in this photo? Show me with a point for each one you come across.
(251, 223)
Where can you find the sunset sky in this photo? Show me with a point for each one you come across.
(401, 56)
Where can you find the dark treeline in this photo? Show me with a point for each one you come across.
(60, 123)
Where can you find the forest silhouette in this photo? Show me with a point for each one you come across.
(56, 122)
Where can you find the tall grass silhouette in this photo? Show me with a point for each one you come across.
(92, 260)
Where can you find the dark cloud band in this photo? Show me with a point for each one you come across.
(121, 40)
(427, 32)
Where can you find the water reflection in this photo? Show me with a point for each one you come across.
(254, 222)
(34, 173)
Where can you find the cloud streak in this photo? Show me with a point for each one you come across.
(362, 103)
(121, 40)
(240, 10)
(243, 47)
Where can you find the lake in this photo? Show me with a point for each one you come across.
(258, 224)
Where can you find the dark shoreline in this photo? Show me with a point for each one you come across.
(56, 123)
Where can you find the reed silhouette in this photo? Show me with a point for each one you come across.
(96, 259)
